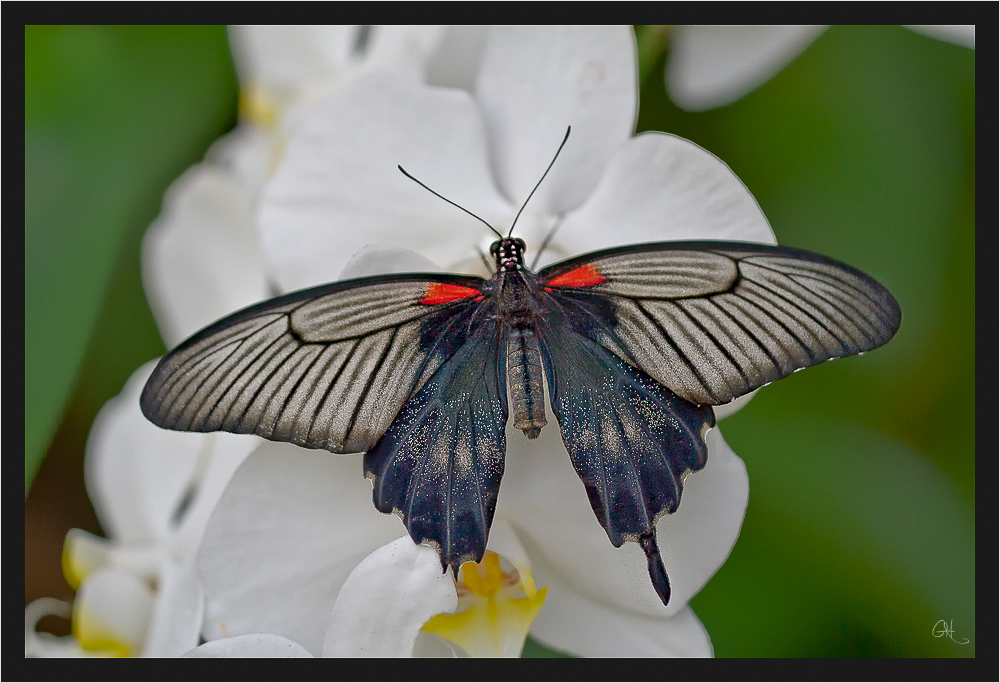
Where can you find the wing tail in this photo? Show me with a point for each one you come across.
(631, 440)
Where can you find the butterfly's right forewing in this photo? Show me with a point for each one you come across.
(715, 320)
(324, 368)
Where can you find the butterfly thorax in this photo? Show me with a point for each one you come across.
(518, 309)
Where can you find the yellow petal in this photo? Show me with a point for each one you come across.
(257, 107)
(83, 553)
(112, 612)
(496, 609)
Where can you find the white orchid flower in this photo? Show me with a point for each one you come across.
(294, 524)
(712, 66)
(202, 257)
(286, 69)
(138, 592)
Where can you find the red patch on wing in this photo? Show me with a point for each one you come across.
(584, 276)
(441, 293)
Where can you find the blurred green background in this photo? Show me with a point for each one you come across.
(860, 532)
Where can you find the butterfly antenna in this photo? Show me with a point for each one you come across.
(561, 145)
(495, 231)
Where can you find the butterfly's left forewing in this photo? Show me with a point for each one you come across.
(329, 367)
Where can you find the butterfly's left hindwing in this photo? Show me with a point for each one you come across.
(329, 367)
(440, 462)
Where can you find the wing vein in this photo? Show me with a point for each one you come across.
(329, 388)
(298, 383)
(215, 370)
(256, 394)
(717, 343)
(795, 305)
(368, 384)
(764, 312)
(680, 353)
(750, 335)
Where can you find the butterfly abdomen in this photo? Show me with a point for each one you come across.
(524, 381)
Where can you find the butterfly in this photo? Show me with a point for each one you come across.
(422, 371)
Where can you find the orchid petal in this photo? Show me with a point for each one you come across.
(333, 194)
(737, 404)
(250, 645)
(697, 539)
(281, 58)
(201, 258)
(956, 34)
(284, 537)
(306, 61)
(403, 50)
(223, 454)
(386, 599)
(112, 612)
(457, 59)
(136, 473)
(380, 260)
(84, 553)
(662, 187)
(42, 644)
(178, 612)
(536, 81)
(246, 151)
(712, 66)
(575, 624)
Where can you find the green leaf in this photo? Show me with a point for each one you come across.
(845, 526)
(112, 115)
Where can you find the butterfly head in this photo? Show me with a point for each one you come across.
(509, 253)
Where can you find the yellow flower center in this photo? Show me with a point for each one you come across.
(495, 609)
(257, 107)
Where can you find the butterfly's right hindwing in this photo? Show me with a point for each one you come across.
(631, 440)
(324, 368)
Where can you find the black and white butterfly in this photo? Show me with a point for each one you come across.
(421, 372)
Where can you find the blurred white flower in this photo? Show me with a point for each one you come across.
(285, 70)
(964, 35)
(137, 590)
(294, 523)
(202, 257)
(712, 66)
